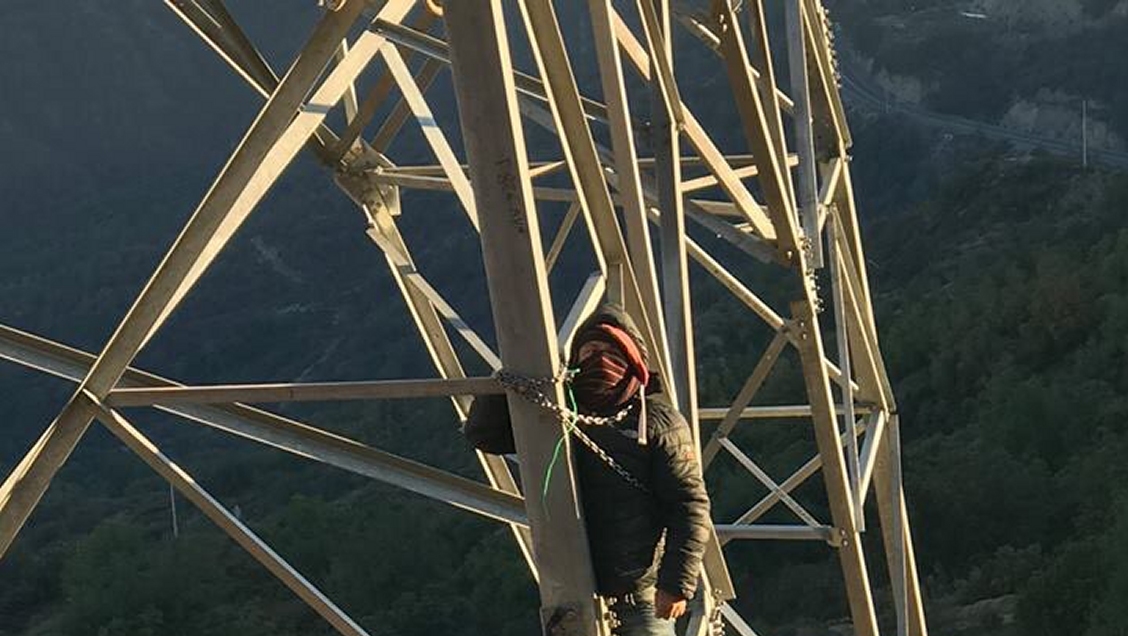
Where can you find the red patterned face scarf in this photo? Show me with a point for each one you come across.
(611, 374)
(604, 382)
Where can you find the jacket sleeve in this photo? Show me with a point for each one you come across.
(488, 427)
(684, 503)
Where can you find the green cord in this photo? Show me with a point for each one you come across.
(568, 424)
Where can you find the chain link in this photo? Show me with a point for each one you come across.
(534, 390)
(609, 460)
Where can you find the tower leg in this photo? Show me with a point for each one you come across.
(850, 554)
(511, 248)
(897, 536)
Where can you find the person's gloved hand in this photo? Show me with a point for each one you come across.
(669, 606)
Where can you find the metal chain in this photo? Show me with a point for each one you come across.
(609, 460)
(533, 390)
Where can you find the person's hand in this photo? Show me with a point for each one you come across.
(669, 606)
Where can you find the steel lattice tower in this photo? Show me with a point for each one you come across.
(788, 204)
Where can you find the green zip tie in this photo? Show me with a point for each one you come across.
(568, 424)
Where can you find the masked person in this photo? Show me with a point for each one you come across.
(644, 500)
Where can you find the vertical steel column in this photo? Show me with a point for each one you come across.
(897, 535)
(807, 190)
(841, 337)
(628, 175)
(583, 158)
(665, 143)
(850, 554)
(511, 246)
(888, 490)
(898, 563)
(852, 236)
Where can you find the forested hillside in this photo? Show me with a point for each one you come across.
(1001, 285)
(1028, 65)
(1002, 302)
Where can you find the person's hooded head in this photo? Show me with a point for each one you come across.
(610, 357)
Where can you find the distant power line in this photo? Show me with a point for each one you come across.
(861, 91)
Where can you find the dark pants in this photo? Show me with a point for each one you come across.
(639, 620)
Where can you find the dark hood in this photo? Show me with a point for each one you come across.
(609, 314)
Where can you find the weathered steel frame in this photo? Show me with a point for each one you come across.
(789, 229)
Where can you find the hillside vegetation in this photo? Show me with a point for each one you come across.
(1001, 294)
(1025, 64)
(1003, 306)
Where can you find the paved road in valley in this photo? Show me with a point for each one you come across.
(858, 90)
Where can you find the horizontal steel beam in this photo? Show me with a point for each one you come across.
(796, 479)
(274, 430)
(731, 532)
(743, 172)
(540, 168)
(772, 412)
(416, 181)
(304, 392)
(64, 362)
